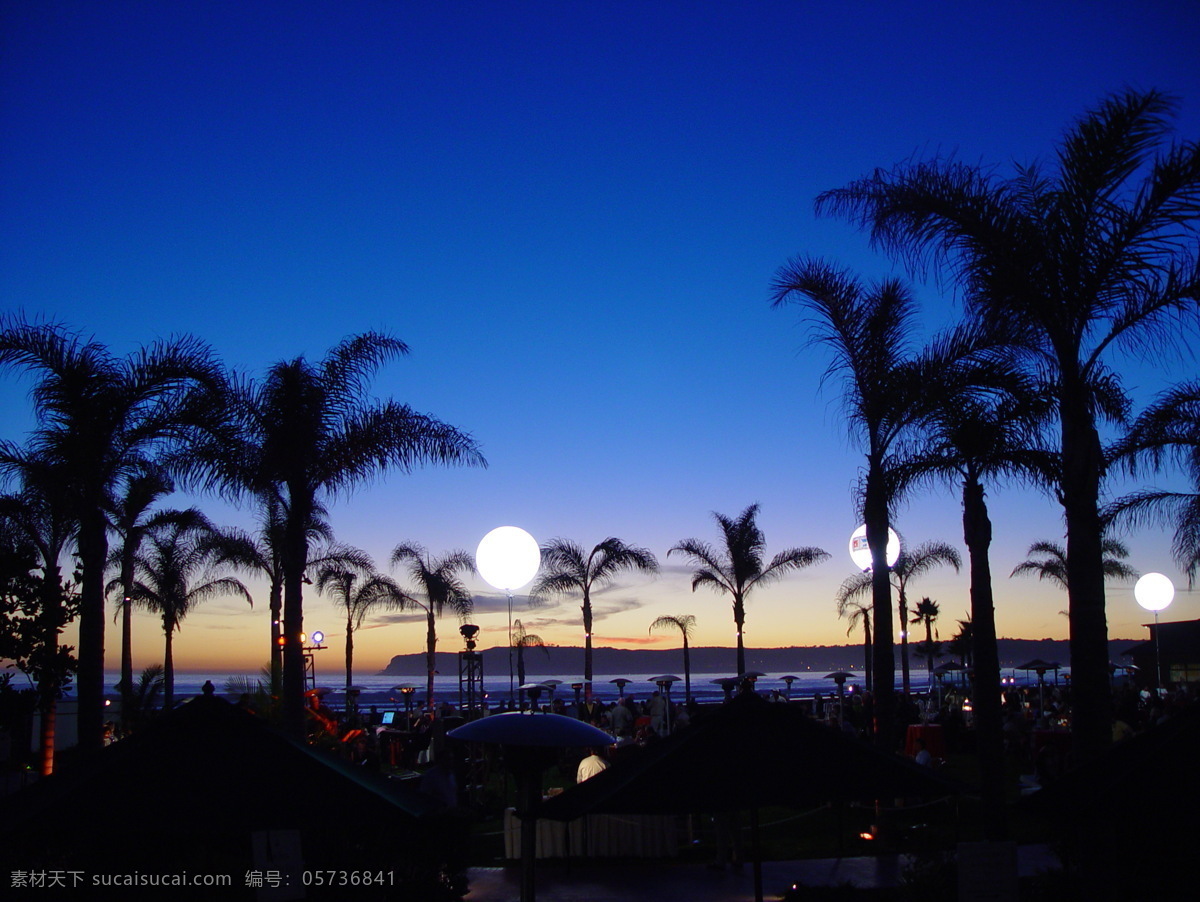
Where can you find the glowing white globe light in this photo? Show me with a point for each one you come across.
(508, 557)
(1154, 591)
(318, 637)
(860, 551)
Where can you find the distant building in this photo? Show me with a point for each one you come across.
(1178, 647)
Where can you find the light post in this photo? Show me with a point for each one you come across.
(507, 558)
(1154, 592)
(310, 667)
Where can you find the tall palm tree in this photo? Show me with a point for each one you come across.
(103, 418)
(988, 429)
(927, 612)
(686, 624)
(1170, 427)
(1048, 561)
(438, 582)
(522, 640)
(736, 567)
(129, 523)
(179, 566)
(357, 590)
(568, 570)
(888, 389)
(909, 565)
(1096, 253)
(39, 515)
(855, 613)
(310, 432)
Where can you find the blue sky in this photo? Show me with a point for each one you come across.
(572, 213)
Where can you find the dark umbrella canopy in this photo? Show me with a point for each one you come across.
(516, 728)
(746, 754)
(195, 787)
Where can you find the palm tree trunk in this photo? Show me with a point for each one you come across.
(989, 736)
(687, 670)
(867, 669)
(295, 560)
(53, 616)
(883, 663)
(349, 651)
(905, 682)
(1083, 462)
(587, 639)
(168, 667)
(739, 621)
(430, 657)
(92, 545)
(127, 552)
(276, 659)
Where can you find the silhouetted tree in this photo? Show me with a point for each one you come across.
(736, 567)
(1097, 253)
(568, 570)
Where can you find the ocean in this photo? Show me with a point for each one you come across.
(378, 690)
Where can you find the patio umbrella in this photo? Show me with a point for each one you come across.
(531, 743)
(745, 755)
(197, 787)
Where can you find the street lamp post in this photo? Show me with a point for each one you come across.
(1154, 592)
(507, 558)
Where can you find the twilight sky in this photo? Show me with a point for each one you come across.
(572, 213)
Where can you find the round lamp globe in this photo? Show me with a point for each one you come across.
(1154, 591)
(508, 557)
(860, 551)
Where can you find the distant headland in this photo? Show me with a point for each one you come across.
(565, 659)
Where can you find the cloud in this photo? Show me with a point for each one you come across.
(609, 607)
(636, 640)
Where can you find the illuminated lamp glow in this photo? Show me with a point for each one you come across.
(860, 551)
(318, 637)
(508, 557)
(1154, 592)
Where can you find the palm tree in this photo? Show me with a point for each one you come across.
(736, 568)
(1171, 426)
(987, 429)
(438, 581)
(567, 570)
(856, 613)
(358, 590)
(888, 390)
(129, 523)
(103, 418)
(908, 566)
(522, 640)
(927, 612)
(39, 515)
(310, 432)
(1048, 561)
(1097, 253)
(180, 567)
(962, 643)
(686, 624)
(144, 695)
